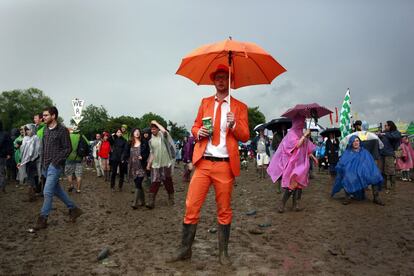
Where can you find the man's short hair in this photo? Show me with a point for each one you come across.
(52, 111)
(357, 123)
(153, 125)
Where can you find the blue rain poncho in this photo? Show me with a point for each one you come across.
(356, 170)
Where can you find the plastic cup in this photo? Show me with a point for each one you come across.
(207, 123)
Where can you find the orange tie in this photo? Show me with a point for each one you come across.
(217, 125)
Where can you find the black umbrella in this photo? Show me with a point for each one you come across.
(276, 124)
(259, 127)
(335, 130)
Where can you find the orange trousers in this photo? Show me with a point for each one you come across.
(206, 173)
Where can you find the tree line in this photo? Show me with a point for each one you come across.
(18, 106)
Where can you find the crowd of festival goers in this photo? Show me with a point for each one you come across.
(149, 154)
(39, 152)
(42, 151)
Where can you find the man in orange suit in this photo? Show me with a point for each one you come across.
(217, 162)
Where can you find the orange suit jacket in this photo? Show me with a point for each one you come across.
(240, 132)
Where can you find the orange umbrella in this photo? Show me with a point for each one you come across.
(249, 63)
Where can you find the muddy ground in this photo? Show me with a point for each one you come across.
(327, 238)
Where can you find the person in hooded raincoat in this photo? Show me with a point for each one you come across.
(30, 157)
(405, 162)
(291, 163)
(355, 171)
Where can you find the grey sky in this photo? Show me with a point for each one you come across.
(124, 54)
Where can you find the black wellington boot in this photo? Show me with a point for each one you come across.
(223, 240)
(184, 252)
(136, 197)
(393, 184)
(285, 198)
(297, 196)
(375, 195)
(151, 201)
(141, 197)
(385, 183)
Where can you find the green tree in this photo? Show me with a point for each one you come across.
(177, 132)
(148, 117)
(117, 122)
(95, 119)
(17, 107)
(255, 117)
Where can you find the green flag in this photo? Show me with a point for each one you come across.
(345, 124)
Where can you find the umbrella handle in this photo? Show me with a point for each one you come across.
(229, 86)
(230, 65)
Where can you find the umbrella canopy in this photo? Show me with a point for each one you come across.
(259, 127)
(250, 64)
(276, 124)
(334, 130)
(312, 110)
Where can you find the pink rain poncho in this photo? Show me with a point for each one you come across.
(406, 161)
(289, 162)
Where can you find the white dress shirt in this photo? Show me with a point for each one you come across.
(221, 149)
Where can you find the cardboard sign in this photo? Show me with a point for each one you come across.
(77, 109)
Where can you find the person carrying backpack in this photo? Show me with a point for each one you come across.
(73, 166)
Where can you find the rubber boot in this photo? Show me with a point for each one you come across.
(392, 180)
(151, 201)
(184, 252)
(135, 203)
(278, 187)
(74, 214)
(376, 197)
(120, 184)
(41, 223)
(347, 199)
(404, 176)
(294, 192)
(147, 182)
(387, 190)
(38, 185)
(223, 241)
(171, 199)
(296, 200)
(186, 175)
(285, 198)
(106, 176)
(141, 197)
(31, 195)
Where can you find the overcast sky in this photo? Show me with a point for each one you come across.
(124, 54)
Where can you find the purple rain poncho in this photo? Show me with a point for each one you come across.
(289, 162)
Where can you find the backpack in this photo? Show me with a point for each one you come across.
(83, 149)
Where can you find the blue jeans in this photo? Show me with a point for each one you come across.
(52, 187)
